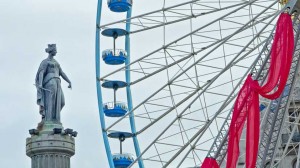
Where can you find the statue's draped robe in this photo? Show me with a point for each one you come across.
(51, 96)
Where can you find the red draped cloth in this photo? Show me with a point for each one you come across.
(211, 162)
(247, 103)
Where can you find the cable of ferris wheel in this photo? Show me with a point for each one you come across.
(159, 10)
(152, 96)
(224, 105)
(165, 46)
(228, 66)
(184, 58)
(195, 53)
(221, 108)
(204, 129)
(210, 121)
(175, 21)
(166, 9)
(170, 82)
(183, 19)
(202, 132)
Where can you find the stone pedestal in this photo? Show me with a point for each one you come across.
(49, 149)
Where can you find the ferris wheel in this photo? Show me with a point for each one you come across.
(168, 73)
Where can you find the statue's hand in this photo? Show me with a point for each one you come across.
(70, 85)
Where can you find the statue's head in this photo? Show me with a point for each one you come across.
(51, 49)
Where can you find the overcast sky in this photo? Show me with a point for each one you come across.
(27, 26)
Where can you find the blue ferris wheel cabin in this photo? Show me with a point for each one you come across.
(122, 160)
(114, 56)
(115, 109)
(119, 5)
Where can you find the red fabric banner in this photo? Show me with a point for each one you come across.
(247, 103)
(210, 163)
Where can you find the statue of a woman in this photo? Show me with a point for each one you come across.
(50, 96)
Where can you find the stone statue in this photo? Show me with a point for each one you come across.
(50, 96)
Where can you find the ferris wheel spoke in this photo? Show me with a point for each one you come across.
(184, 79)
(183, 100)
(155, 146)
(191, 149)
(171, 15)
(177, 63)
(165, 130)
(222, 135)
(186, 156)
(194, 15)
(184, 147)
(200, 109)
(193, 32)
(202, 91)
(147, 148)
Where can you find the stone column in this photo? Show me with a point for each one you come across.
(50, 149)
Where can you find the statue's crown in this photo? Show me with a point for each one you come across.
(50, 47)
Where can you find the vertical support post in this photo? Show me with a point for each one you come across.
(115, 98)
(115, 45)
(120, 147)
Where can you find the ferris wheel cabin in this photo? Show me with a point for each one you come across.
(114, 109)
(114, 56)
(121, 160)
(119, 5)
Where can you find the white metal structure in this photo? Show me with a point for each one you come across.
(188, 61)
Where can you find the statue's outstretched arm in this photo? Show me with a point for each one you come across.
(64, 76)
